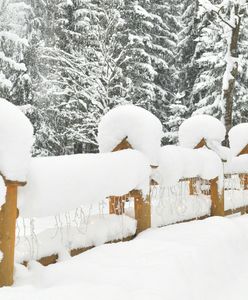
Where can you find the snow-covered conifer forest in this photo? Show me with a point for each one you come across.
(67, 62)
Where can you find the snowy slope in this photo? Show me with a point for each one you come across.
(196, 260)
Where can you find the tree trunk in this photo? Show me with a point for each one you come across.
(228, 93)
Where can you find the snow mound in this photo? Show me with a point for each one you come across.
(237, 165)
(194, 129)
(223, 152)
(16, 138)
(63, 183)
(238, 138)
(178, 162)
(142, 129)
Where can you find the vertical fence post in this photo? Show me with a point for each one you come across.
(142, 208)
(8, 215)
(117, 205)
(244, 180)
(217, 198)
(192, 187)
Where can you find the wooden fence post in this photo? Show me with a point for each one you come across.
(117, 205)
(192, 186)
(244, 180)
(217, 198)
(142, 208)
(8, 215)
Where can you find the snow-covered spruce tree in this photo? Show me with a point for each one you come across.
(104, 49)
(209, 60)
(14, 82)
(62, 86)
(149, 45)
(174, 114)
(219, 42)
(186, 55)
(240, 105)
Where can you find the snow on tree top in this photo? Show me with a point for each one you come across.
(16, 138)
(199, 127)
(178, 162)
(238, 138)
(141, 128)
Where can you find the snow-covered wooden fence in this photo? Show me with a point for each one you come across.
(146, 185)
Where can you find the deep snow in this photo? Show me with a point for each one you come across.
(196, 260)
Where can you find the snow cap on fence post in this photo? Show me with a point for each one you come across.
(206, 131)
(133, 125)
(202, 130)
(16, 137)
(238, 138)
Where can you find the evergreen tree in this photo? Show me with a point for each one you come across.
(13, 78)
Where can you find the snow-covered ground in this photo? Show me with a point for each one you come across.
(196, 260)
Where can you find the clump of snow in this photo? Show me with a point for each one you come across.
(194, 129)
(97, 231)
(236, 199)
(178, 162)
(237, 165)
(223, 152)
(142, 129)
(62, 183)
(16, 138)
(238, 138)
(2, 191)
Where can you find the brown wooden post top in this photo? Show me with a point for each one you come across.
(12, 182)
(243, 151)
(123, 145)
(201, 144)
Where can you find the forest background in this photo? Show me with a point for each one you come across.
(65, 63)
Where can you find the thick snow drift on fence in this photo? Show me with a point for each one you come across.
(63, 183)
(194, 129)
(236, 165)
(142, 129)
(177, 163)
(16, 136)
(238, 138)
